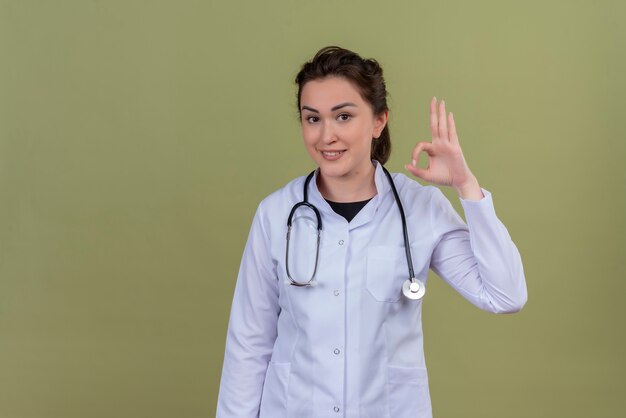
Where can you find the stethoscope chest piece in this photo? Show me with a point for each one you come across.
(413, 289)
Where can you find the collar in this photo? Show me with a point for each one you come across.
(382, 188)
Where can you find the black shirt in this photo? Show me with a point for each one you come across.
(348, 210)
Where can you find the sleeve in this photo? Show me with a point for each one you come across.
(478, 259)
(252, 328)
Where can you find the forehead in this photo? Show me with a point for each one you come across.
(327, 92)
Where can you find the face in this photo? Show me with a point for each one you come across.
(338, 126)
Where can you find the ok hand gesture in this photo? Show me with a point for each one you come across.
(446, 164)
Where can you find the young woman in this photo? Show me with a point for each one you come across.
(332, 327)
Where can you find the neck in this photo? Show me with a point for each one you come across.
(356, 187)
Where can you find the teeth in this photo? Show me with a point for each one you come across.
(333, 154)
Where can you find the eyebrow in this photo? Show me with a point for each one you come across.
(339, 106)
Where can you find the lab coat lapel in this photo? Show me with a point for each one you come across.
(368, 212)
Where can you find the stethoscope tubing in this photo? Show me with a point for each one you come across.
(412, 288)
(405, 234)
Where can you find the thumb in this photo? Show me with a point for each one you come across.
(422, 173)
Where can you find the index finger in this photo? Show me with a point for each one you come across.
(434, 121)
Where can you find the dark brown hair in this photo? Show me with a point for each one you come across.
(365, 74)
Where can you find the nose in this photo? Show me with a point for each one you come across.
(328, 133)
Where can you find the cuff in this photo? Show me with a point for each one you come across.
(478, 207)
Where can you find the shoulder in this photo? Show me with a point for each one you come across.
(411, 190)
(427, 201)
(290, 191)
(274, 205)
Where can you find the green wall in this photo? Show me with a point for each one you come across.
(137, 138)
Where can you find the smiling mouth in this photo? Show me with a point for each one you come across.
(332, 153)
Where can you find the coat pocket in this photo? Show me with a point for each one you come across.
(274, 395)
(408, 392)
(387, 270)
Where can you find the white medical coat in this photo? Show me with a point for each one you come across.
(352, 346)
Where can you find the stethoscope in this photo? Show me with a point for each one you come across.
(412, 288)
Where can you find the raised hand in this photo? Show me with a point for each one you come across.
(446, 163)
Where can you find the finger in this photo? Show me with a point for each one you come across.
(418, 172)
(421, 146)
(443, 121)
(452, 126)
(434, 126)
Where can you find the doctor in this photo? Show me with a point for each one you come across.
(350, 344)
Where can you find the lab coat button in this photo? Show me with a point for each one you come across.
(336, 292)
(337, 351)
(340, 242)
(336, 409)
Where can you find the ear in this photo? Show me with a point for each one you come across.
(380, 121)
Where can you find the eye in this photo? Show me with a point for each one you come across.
(312, 119)
(344, 117)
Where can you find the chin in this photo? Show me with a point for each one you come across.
(333, 173)
(332, 170)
